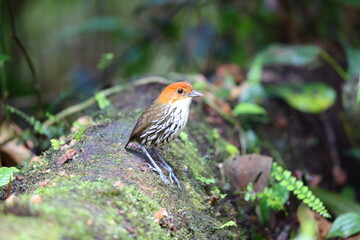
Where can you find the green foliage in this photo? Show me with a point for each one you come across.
(183, 136)
(337, 203)
(274, 197)
(105, 61)
(4, 58)
(228, 224)
(217, 192)
(353, 58)
(248, 108)
(7, 174)
(231, 149)
(37, 125)
(277, 194)
(255, 71)
(205, 180)
(80, 134)
(295, 55)
(101, 100)
(297, 187)
(98, 24)
(215, 134)
(358, 93)
(345, 225)
(306, 97)
(56, 144)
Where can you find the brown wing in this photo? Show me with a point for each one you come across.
(144, 121)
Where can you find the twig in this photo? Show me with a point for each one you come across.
(330, 60)
(8, 191)
(27, 58)
(107, 92)
(3, 113)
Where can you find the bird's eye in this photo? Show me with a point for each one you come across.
(180, 91)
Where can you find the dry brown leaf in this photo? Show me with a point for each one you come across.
(83, 121)
(68, 155)
(119, 184)
(162, 213)
(14, 153)
(36, 159)
(44, 183)
(229, 69)
(36, 199)
(339, 175)
(253, 168)
(12, 199)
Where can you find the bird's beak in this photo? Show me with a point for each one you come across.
(194, 94)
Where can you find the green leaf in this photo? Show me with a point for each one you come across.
(4, 58)
(296, 55)
(336, 203)
(255, 71)
(105, 61)
(353, 59)
(184, 137)
(231, 149)
(306, 97)
(56, 144)
(358, 93)
(101, 24)
(205, 180)
(248, 108)
(6, 175)
(216, 134)
(345, 225)
(102, 101)
(229, 224)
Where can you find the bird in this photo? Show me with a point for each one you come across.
(161, 122)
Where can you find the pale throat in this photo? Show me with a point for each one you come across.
(183, 105)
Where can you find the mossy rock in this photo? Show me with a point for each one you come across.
(106, 192)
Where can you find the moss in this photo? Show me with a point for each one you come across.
(28, 228)
(86, 204)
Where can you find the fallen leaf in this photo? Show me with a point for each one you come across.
(44, 183)
(162, 213)
(11, 199)
(35, 159)
(36, 199)
(19, 177)
(323, 225)
(119, 184)
(339, 175)
(253, 168)
(14, 153)
(68, 155)
(81, 122)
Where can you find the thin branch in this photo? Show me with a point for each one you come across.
(3, 113)
(331, 61)
(107, 92)
(27, 58)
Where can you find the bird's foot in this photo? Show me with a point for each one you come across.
(154, 166)
(172, 175)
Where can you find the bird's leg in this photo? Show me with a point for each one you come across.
(154, 165)
(172, 176)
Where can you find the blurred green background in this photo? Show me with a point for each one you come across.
(281, 76)
(66, 39)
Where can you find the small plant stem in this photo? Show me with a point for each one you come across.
(330, 60)
(27, 58)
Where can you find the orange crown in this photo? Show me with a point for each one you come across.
(177, 91)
